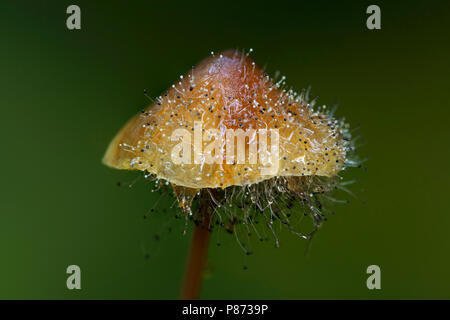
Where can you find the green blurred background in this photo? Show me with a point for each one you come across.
(64, 94)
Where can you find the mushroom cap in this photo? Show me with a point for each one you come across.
(223, 93)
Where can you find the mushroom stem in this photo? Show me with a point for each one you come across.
(198, 251)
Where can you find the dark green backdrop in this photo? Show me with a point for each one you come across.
(64, 94)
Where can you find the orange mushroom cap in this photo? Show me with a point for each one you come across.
(227, 93)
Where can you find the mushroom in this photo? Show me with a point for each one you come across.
(190, 138)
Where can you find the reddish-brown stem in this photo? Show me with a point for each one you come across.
(198, 252)
(196, 264)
